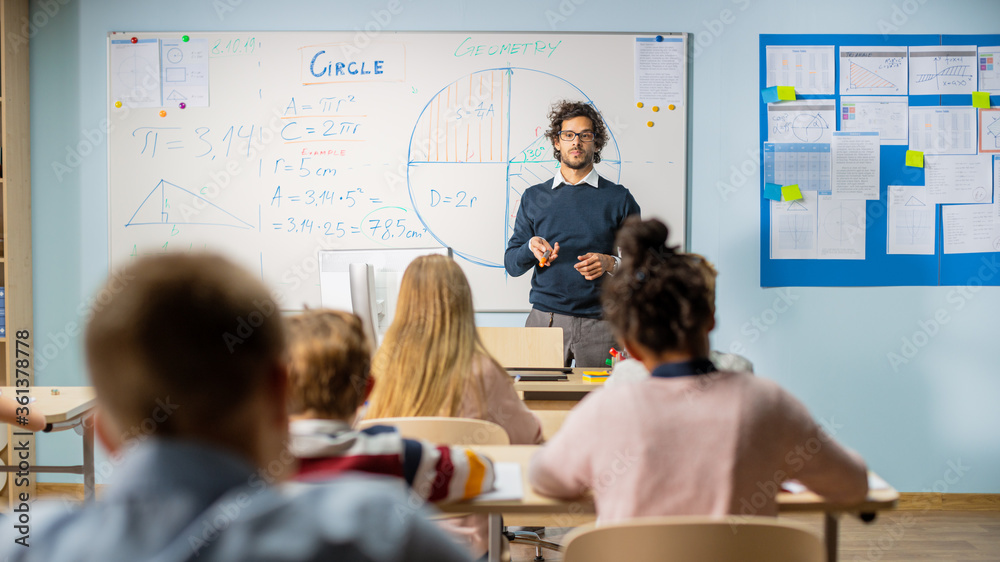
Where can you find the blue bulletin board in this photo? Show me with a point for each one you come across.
(878, 267)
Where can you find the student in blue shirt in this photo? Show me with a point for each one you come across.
(188, 362)
(577, 213)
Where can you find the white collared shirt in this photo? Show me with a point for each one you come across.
(590, 179)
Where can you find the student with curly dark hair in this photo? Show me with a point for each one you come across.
(689, 440)
(576, 213)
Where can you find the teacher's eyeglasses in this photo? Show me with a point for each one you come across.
(586, 136)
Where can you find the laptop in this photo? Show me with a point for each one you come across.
(540, 373)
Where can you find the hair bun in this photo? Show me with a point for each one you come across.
(638, 238)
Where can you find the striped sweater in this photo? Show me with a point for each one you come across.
(436, 473)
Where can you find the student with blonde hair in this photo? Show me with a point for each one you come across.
(688, 440)
(432, 363)
(329, 363)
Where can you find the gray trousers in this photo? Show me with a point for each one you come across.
(587, 340)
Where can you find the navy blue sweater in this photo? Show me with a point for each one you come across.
(581, 219)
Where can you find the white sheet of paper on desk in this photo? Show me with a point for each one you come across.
(876, 71)
(943, 69)
(989, 69)
(509, 484)
(875, 482)
(943, 129)
(793, 486)
(135, 72)
(958, 179)
(969, 228)
(887, 115)
(841, 230)
(801, 121)
(809, 69)
(793, 228)
(854, 161)
(911, 221)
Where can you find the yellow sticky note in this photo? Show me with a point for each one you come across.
(981, 100)
(791, 192)
(915, 158)
(786, 93)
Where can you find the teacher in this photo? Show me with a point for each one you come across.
(576, 213)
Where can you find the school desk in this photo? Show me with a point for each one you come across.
(572, 390)
(535, 509)
(71, 408)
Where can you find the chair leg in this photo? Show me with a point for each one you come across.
(527, 537)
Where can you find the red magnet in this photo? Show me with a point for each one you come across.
(135, 40)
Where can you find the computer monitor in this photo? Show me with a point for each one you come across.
(366, 282)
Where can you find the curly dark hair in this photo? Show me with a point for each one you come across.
(566, 109)
(660, 298)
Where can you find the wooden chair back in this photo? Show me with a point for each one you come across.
(695, 539)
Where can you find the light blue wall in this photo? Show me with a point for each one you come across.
(829, 346)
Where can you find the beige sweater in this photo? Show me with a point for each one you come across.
(503, 407)
(713, 444)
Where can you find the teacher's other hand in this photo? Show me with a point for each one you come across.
(594, 265)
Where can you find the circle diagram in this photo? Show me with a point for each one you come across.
(476, 146)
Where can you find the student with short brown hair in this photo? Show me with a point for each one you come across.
(188, 361)
(329, 362)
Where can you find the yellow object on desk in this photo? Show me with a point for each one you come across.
(596, 377)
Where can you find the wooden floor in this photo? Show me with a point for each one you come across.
(941, 536)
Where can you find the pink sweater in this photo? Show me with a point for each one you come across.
(714, 444)
(503, 407)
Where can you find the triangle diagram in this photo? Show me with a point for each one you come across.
(914, 202)
(797, 207)
(861, 77)
(994, 128)
(169, 203)
(538, 151)
(176, 96)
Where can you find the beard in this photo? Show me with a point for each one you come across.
(583, 161)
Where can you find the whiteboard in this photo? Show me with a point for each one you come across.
(414, 140)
